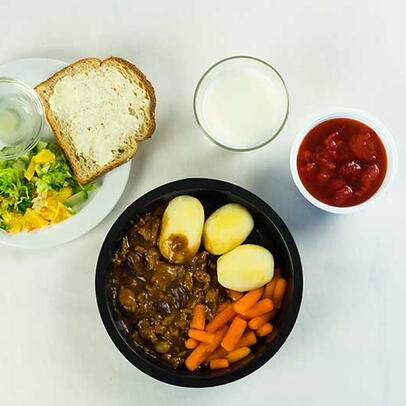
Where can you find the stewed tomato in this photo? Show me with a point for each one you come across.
(342, 162)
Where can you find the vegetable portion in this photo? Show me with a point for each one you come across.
(219, 363)
(234, 333)
(238, 354)
(191, 343)
(246, 267)
(227, 338)
(258, 321)
(35, 189)
(264, 330)
(198, 317)
(197, 357)
(279, 292)
(221, 318)
(202, 336)
(248, 300)
(181, 230)
(262, 307)
(227, 228)
(270, 286)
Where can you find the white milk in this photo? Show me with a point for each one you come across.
(244, 107)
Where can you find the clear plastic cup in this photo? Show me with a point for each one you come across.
(21, 118)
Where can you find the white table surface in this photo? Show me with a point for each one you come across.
(348, 346)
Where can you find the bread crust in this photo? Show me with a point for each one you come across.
(45, 91)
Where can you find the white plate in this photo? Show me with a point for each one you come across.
(110, 187)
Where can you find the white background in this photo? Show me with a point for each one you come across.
(348, 346)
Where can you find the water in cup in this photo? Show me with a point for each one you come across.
(17, 120)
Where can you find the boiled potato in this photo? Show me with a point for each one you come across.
(246, 267)
(181, 229)
(227, 228)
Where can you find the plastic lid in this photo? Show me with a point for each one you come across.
(21, 118)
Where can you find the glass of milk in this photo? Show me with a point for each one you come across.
(21, 118)
(241, 103)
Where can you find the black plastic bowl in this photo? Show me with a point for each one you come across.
(269, 231)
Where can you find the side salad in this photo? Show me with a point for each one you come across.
(38, 189)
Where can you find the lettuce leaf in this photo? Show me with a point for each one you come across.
(17, 193)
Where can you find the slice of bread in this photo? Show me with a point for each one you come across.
(98, 111)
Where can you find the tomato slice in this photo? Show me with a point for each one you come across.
(363, 146)
(368, 176)
(342, 194)
(332, 142)
(349, 169)
(306, 168)
(322, 177)
(324, 160)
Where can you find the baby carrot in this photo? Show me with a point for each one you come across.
(218, 338)
(237, 354)
(202, 336)
(270, 286)
(221, 319)
(191, 343)
(248, 300)
(258, 321)
(220, 352)
(279, 291)
(221, 307)
(247, 339)
(244, 316)
(198, 317)
(233, 334)
(264, 330)
(219, 363)
(260, 308)
(197, 357)
(234, 295)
